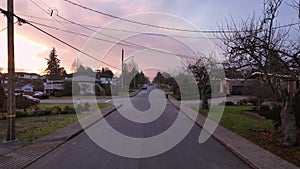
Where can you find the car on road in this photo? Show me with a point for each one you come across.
(144, 87)
(31, 99)
(41, 95)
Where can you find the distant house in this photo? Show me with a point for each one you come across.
(27, 88)
(284, 81)
(24, 75)
(238, 86)
(87, 84)
(53, 86)
(21, 88)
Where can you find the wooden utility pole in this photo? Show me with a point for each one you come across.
(11, 100)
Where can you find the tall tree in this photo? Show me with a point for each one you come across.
(262, 45)
(54, 70)
(206, 70)
(159, 78)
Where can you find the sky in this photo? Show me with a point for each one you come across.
(32, 46)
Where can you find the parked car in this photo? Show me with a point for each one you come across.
(25, 101)
(31, 99)
(41, 95)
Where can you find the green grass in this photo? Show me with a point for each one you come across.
(62, 105)
(32, 128)
(257, 130)
(241, 123)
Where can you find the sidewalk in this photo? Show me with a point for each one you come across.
(252, 154)
(26, 155)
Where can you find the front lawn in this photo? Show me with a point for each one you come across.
(257, 130)
(32, 128)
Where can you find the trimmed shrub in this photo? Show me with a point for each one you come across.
(55, 110)
(48, 110)
(65, 110)
(254, 101)
(71, 111)
(40, 112)
(21, 114)
(31, 111)
(2, 116)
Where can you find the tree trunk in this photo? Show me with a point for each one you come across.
(204, 101)
(288, 121)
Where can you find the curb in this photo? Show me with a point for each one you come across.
(253, 155)
(26, 155)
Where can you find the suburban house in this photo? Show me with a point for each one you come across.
(21, 88)
(53, 86)
(284, 81)
(87, 84)
(238, 86)
(24, 75)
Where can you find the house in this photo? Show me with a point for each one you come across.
(53, 86)
(87, 84)
(285, 82)
(24, 75)
(21, 88)
(27, 88)
(238, 86)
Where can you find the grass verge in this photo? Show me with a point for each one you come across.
(257, 130)
(32, 128)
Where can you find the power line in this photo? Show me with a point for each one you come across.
(21, 20)
(163, 27)
(130, 43)
(144, 24)
(50, 13)
(127, 44)
(121, 30)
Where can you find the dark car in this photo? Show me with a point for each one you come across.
(144, 87)
(41, 95)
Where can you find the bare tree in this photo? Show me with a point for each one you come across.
(262, 45)
(206, 72)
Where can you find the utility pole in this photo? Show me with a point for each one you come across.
(122, 77)
(11, 100)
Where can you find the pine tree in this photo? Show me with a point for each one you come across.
(54, 71)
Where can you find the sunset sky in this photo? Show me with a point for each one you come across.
(32, 46)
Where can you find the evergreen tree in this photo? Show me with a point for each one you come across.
(54, 71)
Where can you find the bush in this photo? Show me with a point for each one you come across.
(2, 116)
(31, 111)
(243, 102)
(65, 110)
(229, 103)
(55, 110)
(71, 111)
(58, 94)
(254, 101)
(272, 114)
(48, 110)
(40, 112)
(21, 114)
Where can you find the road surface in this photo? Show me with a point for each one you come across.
(82, 153)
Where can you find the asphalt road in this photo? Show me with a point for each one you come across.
(82, 153)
